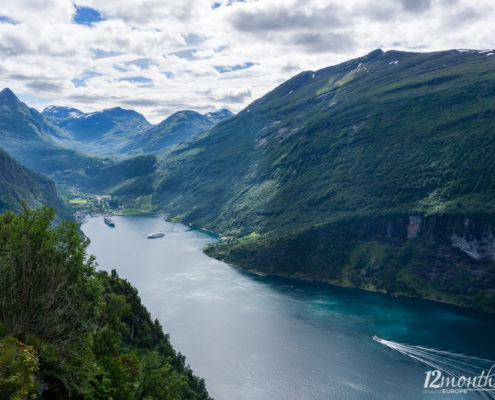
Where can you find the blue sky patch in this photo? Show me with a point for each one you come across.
(193, 40)
(87, 16)
(32, 100)
(187, 54)
(142, 63)
(81, 82)
(105, 54)
(7, 20)
(229, 68)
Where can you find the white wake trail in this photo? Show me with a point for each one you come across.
(453, 364)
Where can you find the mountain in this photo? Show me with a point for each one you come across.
(31, 139)
(131, 177)
(61, 114)
(34, 141)
(17, 183)
(102, 133)
(375, 173)
(220, 115)
(175, 129)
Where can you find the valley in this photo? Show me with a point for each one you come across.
(376, 173)
(247, 199)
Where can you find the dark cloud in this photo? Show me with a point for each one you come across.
(13, 46)
(20, 77)
(141, 102)
(415, 6)
(463, 16)
(291, 67)
(230, 97)
(234, 98)
(282, 19)
(386, 11)
(45, 86)
(324, 42)
(88, 99)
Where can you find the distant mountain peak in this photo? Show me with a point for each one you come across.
(373, 54)
(58, 113)
(219, 115)
(7, 97)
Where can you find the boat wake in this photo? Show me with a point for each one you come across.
(453, 364)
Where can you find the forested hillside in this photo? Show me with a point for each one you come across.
(67, 331)
(18, 183)
(377, 173)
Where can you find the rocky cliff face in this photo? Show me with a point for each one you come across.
(445, 258)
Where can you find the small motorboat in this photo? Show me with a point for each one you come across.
(155, 235)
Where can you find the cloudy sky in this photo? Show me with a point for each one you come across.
(160, 56)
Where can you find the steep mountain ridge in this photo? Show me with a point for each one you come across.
(27, 136)
(174, 130)
(103, 133)
(389, 135)
(30, 138)
(58, 114)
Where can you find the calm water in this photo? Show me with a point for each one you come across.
(266, 338)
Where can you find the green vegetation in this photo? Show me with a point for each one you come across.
(28, 137)
(18, 183)
(67, 331)
(78, 201)
(174, 130)
(389, 135)
(140, 205)
(318, 179)
(130, 177)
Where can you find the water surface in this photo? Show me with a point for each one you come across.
(255, 337)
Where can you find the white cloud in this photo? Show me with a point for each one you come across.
(49, 58)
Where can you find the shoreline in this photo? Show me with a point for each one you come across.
(301, 279)
(336, 285)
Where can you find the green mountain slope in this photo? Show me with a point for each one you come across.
(104, 133)
(130, 177)
(30, 138)
(376, 173)
(26, 135)
(174, 130)
(17, 183)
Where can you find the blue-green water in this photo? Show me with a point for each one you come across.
(255, 337)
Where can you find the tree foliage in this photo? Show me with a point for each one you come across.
(70, 332)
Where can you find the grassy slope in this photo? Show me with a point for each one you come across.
(368, 138)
